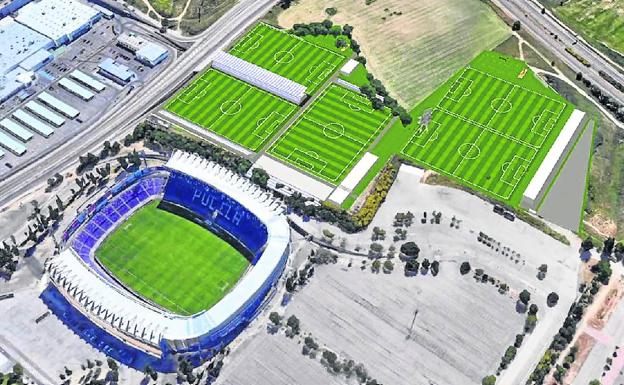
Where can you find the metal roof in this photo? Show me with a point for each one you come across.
(18, 43)
(58, 105)
(117, 70)
(18, 131)
(35, 124)
(45, 113)
(151, 52)
(35, 60)
(11, 144)
(87, 80)
(259, 77)
(56, 18)
(76, 88)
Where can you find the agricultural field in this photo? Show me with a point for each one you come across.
(288, 55)
(489, 126)
(231, 108)
(332, 135)
(411, 46)
(171, 261)
(601, 22)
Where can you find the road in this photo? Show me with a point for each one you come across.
(540, 26)
(129, 111)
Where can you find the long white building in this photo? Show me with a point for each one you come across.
(259, 77)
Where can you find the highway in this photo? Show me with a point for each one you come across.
(540, 26)
(128, 112)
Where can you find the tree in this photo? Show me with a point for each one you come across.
(331, 11)
(435, 267)
(260, 177)
(530, 322)
(347, 30)
(519, 340)
(341, 43)
(607, 248)
(489, 380)
(579, 76)
(464, 268)
(375, 266)
(275, 318)
(388, 266)
(293, 324)
(516, 25)
(552, 299)
(603, 271)
(525, 297)
(533, 309)
(410, 249)
(619, 251)
(587, 244)
(594, 382)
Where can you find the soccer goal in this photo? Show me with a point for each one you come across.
(544, 122)
(195, 91)
(461, 88)
(249, 42)
(424, 135)
(318, 73)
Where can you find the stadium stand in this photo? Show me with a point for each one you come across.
(259, 77)
(134, 331)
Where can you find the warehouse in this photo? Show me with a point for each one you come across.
(117, 72)
(145, 51)
(16, 130)
(33, 123)
(76, 89)
(45, 114)
(7, 7)
(259, 77)
(61, 20)
(58, 105)
(12, 145)
(87, 80)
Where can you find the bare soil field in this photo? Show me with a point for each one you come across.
(412, 46)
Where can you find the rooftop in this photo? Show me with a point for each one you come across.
(18, 43)
(151, 52)
(118, 70)
(56, 18)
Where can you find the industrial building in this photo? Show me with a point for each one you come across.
(259, 77)
(16, 130)
(76, 89)
(60, 20)
(58, 105)
(145, 51)
(33, 123)
(7, 7)
(20, 46)
(12, 145)
(87, 80)
(117, 72)
(45, 114)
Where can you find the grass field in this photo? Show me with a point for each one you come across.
(288, 55)
(332, 135)
(415, 52)
(231, 108)
(488, 126)
(600, 22)
(171, 261)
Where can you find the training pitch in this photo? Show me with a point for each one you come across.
(171, 261)
(332, 135)
(231, 108)
(486, 129)
(288, 55)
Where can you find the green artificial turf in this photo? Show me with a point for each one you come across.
(332, 135)
(171, 261)
(489, 127)
(231, 108)
(290, 56)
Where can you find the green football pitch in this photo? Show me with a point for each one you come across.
(490, 126)
(231, 108)
(171, 261)
(332, 135)
(289, 56)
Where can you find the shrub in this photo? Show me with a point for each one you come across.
(464, 268)
(410, 249)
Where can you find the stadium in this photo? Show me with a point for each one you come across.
(172, 261)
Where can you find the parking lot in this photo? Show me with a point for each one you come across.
(84, 54)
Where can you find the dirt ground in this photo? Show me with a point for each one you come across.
(412, 46)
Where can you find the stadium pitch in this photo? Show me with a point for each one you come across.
(332, 135)
(231, 108)
(171, 261)
(288, 55)
(490, 126)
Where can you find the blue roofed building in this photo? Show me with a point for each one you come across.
(117, 72)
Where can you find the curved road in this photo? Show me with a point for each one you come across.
(128, 113)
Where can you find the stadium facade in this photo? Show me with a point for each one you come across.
(134, 331)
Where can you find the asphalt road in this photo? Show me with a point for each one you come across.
(540, 26)
(129, 111)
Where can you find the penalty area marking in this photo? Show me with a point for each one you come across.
(306, 160)
(255, 44)
(321, 70)
(274, 119)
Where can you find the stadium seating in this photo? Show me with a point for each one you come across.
(217, 208)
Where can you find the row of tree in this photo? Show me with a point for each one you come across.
(610, 104)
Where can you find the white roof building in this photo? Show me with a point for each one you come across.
(259, 77)
(60, 20)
